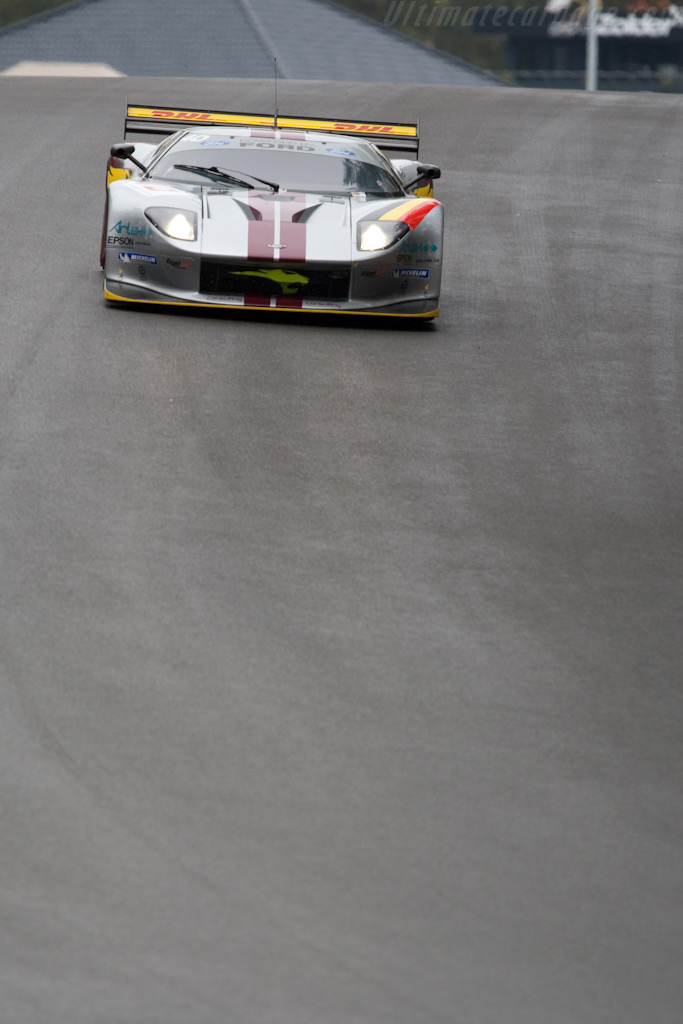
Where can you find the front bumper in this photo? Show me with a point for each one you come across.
(121, 289)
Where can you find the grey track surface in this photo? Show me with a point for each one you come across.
(311, 39)
(340, 664)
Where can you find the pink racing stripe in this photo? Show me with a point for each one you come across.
(260, 240)
(270, 215)
(270, 133)
(293, 235)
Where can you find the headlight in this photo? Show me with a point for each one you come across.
(380, 234)
(180, 224)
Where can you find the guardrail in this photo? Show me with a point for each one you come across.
(640, 78)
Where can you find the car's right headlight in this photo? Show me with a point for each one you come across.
(380, 234)
(181, 224)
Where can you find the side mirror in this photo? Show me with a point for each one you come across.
(124, 151)
(424, 174)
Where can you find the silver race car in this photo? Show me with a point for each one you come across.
(282, 213)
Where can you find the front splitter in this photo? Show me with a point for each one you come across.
(428, 308)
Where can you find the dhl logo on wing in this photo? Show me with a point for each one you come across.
(357, 127)
(150, 113)
(185, 114)
(268, 121)
(383, 129)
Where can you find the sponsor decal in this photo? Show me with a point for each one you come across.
(413, 247)
(134, 231)
(136, 257)
(379, 129)
(179, 264)
(404, 257)
(186, 115)
(339, 152)
(215, 143)
(411, 272)
(320, 304)
(255, 143)
(219, 117)
(118, 240)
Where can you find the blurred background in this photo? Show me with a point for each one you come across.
(525, 43)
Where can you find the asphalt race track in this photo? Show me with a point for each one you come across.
(340, 663)
(310, 39)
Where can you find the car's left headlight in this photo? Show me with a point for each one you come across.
(181, 224)
(380, 234)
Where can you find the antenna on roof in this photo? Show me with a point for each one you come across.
(275, 84)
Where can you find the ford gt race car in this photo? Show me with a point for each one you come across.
(268, 212)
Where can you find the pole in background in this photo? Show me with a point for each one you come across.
(592, 46)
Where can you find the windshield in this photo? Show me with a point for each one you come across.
(297, 166)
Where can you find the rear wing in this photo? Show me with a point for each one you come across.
(165, 121)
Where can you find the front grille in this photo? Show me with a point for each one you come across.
(303, 281)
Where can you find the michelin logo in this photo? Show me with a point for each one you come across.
(400, 272)
(136, 257)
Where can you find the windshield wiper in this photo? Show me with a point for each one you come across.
(218, 174)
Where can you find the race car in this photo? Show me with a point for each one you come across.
(260, 211)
